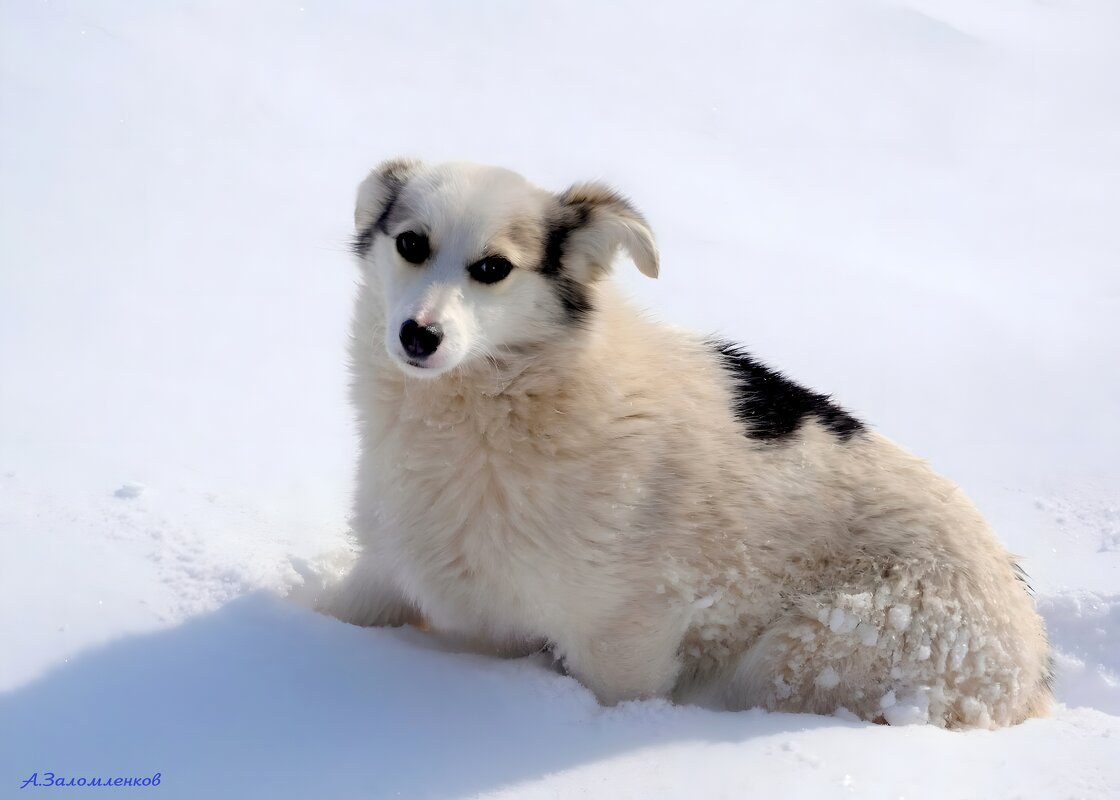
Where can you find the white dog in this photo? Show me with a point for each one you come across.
(541, 466)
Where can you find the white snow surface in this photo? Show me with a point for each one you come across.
(907, 203)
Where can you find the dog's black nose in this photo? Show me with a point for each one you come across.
(420, 342)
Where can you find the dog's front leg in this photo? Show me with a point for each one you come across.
(626, 661)
(368, 597)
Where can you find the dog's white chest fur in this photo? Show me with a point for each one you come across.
(484, 493)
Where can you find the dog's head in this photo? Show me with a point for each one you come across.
(475, 261)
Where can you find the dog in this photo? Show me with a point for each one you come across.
(543, 467)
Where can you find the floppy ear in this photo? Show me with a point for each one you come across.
(376, 196)
(600, 222)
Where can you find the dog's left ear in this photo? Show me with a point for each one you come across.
(600, 221)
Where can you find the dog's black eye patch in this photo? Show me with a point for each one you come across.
(413, 247)
(490, 269)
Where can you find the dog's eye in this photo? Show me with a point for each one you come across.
(490, 269)
(413, 247)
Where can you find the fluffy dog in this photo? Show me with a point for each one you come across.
(541, 466)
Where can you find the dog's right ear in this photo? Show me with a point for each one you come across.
(376, 196)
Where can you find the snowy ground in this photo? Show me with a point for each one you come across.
(909, 203)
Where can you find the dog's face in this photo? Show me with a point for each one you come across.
(477, 262)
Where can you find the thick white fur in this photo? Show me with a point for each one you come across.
(590, 488)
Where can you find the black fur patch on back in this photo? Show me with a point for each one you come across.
(573, 295)
(771, 406)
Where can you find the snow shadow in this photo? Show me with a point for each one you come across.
(264, 699)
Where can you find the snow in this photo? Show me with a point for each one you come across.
(1084, 629)
(129, 491)
(899, 617)
(907, 203)
(828, 678)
